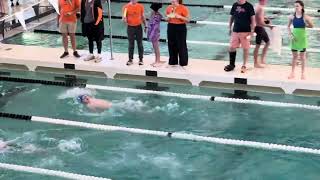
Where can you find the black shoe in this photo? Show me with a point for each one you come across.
(129, 63)
(229, 68)
(75, 54)
(17, 4)
(65, 54)
(140, 63)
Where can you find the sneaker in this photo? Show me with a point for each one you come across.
(89, 57)
(129, 63)
(65, 54)
(140, 63)
(75, 54)
(98, 59)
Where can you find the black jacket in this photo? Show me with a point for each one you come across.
(97, 4)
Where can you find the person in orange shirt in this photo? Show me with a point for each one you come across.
(68, 24)
(133, 16)
(92, 26)
(177, 17)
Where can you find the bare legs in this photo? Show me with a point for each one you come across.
(258, 64)
(156, 49)
(294, 64)
(65, 41)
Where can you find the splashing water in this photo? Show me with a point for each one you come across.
(130, 104)
(75, 92)
(72, 146)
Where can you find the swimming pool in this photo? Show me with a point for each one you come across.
(120, 155)
(196, 32)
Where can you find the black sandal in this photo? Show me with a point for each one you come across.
(229, 68)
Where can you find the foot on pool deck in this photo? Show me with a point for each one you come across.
(229, 68)
(89, 57)
(291, 76)
(243, 69)
(76, 54)
(129, 63)
(98, 58)
(65, 54)
(259, 65)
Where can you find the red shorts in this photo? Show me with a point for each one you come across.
(241, 39)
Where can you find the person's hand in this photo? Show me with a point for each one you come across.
(178, 16)
(292, 37)
(124, 19)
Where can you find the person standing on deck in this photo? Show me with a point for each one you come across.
(242, 17)
(299, 38)
(67, 21)
(262, 35)
(92, 26)
(177, 17)
(3, 8)
(133, 16)
(153, 33)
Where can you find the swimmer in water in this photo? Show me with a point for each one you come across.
(93, 103)
(3, 145)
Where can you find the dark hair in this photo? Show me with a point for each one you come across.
(156, 6)
(301, 4)
(180, 1)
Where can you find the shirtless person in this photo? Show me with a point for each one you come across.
(93, 103)
(262, 35)
(3, 145)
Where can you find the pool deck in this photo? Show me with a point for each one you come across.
(197, 72)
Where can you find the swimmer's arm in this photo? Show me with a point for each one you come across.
(92, 108)
(309, 21)
(289, 25)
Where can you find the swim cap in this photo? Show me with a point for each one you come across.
(81, 98)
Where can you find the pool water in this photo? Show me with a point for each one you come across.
(119, 155)
(206, 33)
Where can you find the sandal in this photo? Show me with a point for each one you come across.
(243, 69)
(229, 68)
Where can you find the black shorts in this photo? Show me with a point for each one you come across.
(303, 50)
(261, 35)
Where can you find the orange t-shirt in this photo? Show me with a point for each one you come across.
(68, 6)
(181, 10)
(133, 13)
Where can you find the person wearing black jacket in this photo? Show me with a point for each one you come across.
(92, 26)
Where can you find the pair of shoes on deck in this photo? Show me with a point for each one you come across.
(91, 57)
(130, 62)
(17, 3)
(230, 67)
(65, 54)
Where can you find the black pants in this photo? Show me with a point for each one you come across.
(177, 44)
(135, 33)
(91, 46)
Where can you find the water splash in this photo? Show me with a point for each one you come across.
(75, 92)
(130, 104)
(168, 108)
(73, 146)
